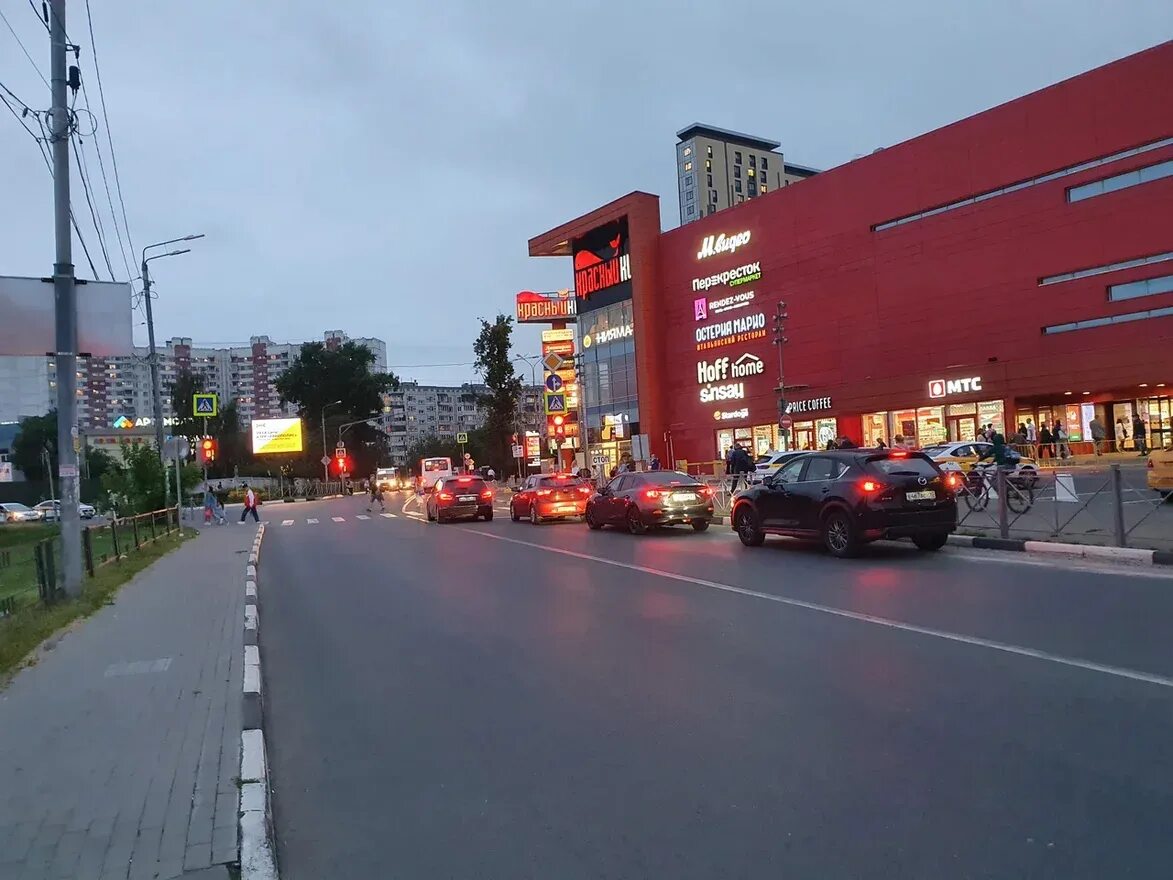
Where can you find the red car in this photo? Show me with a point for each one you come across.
(550, 496)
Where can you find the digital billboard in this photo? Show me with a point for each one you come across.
(276, 436)
(602, 266)
(544, 308)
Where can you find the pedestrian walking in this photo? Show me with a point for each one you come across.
(1046, 443)
(1032, 438)
(251, 503)
(1121, 435)
(742, 465)
(1140, 435)
(1096, 429)
(654, 464)
(1060, 434)
(376, 495)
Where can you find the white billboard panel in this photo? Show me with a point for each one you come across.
(27, 317)
(276, 436)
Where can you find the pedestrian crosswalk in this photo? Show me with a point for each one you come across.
(311, 521)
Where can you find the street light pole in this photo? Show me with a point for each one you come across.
(780, 340)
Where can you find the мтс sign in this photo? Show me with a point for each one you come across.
(945, 387)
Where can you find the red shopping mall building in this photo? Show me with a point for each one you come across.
(1016, 264)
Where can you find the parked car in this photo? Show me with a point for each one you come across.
(846, 498)
(51, 510)
(1159, 471)
(15, 512)
(770, 463)
(550, 496)
(462, 497)
(641, 501)
(964, 455)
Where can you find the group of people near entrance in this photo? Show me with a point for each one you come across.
(1100, 439)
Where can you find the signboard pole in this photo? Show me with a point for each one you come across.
(65, 292)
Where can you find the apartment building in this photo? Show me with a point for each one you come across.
(118, 389)
(717, 168)
(419, 412)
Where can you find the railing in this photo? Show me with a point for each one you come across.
(30, 570)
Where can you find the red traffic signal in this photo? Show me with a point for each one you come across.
(207, 450)
(342, 463)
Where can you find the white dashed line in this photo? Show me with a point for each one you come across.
(338, 518)
(361, 516)
(311, 522)
(286, 522)
(388, 515)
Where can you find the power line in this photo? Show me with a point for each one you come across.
(109, 136)
(23, 49)
(106, 184)
(83, 172)
(25, 110)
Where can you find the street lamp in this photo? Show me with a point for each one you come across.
(326, 463)
(533, 360)
(153, 360)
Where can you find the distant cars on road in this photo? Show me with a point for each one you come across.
(964, 455)
(550, 496)
(15, 512)
(846, 498)
(1159, 471)
(639, 501)
(51, 510)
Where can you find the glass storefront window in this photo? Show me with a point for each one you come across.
(990, 412)
(826, 431)
(724, 442)
(875, 429)
(930, 426)
(904, 425)
(804, 435)
(963, 409)
(1072, 423)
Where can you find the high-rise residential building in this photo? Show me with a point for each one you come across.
(419, 412)
(717, 168)
(118, 389)
(24, 388)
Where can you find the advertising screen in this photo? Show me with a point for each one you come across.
(274, 436)
(602, 266)
(544, 308)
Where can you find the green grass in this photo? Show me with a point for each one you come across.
(33, 622)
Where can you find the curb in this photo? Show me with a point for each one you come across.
(1130, 555)
(257, 856)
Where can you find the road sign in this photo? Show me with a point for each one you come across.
(462, 438)
(176, 446)
(785, 423)
(339, 446)
(553, 361)
(555, 403)
(205, 405)
(325, 460)
(518, 451)
(554, 382)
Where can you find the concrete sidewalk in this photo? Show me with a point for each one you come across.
(120, 748)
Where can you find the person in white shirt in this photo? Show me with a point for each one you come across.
(1121, 435)
(250, 504)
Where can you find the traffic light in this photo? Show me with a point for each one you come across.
(341, 463)
(559, 425)
(207, 450)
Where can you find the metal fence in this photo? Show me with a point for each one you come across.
(30, 571)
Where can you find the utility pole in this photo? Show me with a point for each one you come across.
(65, 301)
(780, 340)
(153, 362)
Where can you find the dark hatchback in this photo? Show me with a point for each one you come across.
(846, 498)
(640, 501)
(463, 497)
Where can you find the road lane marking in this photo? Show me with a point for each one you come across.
(286, 522)
(388, 515)
(1018, 650)
(361, 516)
(338, 518)
(311, 522)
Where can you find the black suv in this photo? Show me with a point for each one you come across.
(846, 498)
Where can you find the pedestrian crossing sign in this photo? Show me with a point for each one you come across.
(205, 405)
(555, 402)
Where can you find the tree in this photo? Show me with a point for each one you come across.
(138, 486)
(495, 365)
(319, 376)
(98, 462)
(37, 434)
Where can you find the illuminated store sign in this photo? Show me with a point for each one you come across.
(732, 277)
(611, 334)
(731, 415)
(566, 335)
(724, 368)
(601, 259)
(545, 307)
(732, 391)
(946, 387)
(814, 404)
(733, 330)
(722, 244)
(702, 307)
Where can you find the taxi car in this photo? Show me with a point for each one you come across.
(770, 463)
(1159, 471)
(961, 456)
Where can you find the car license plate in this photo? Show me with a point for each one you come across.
(683, 496)
(927, 495)
(466, 498)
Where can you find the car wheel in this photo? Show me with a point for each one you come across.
(592, 524)
(489, 515)
(1029, 477)
(431, 518)
(839, 535)
(930, 542)
(513, 513)
(700, 525)
(534, 519)
(748, 530)
(635, 522)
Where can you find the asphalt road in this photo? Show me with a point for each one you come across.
(506, 701)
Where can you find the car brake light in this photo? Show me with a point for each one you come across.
(445, 496)
(544, 492)
(953, 480)
(706, 491)
(464, 479)
(898, 453)
(487, 495)
(870, 486)
(1149, 463)
(654, 494)
(585, 490)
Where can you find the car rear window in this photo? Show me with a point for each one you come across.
(467, 484)
(557, 482)
(668, 478)
(907, 466)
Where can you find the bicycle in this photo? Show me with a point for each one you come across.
(980, 485)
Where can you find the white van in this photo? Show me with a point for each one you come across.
(432, 470)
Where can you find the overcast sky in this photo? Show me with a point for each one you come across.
(378, 166)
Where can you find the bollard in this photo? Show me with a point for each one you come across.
(1003, 509)
(50, 571)
(134, 526)
(1118, 506)
(152, 516)
(114, 537)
